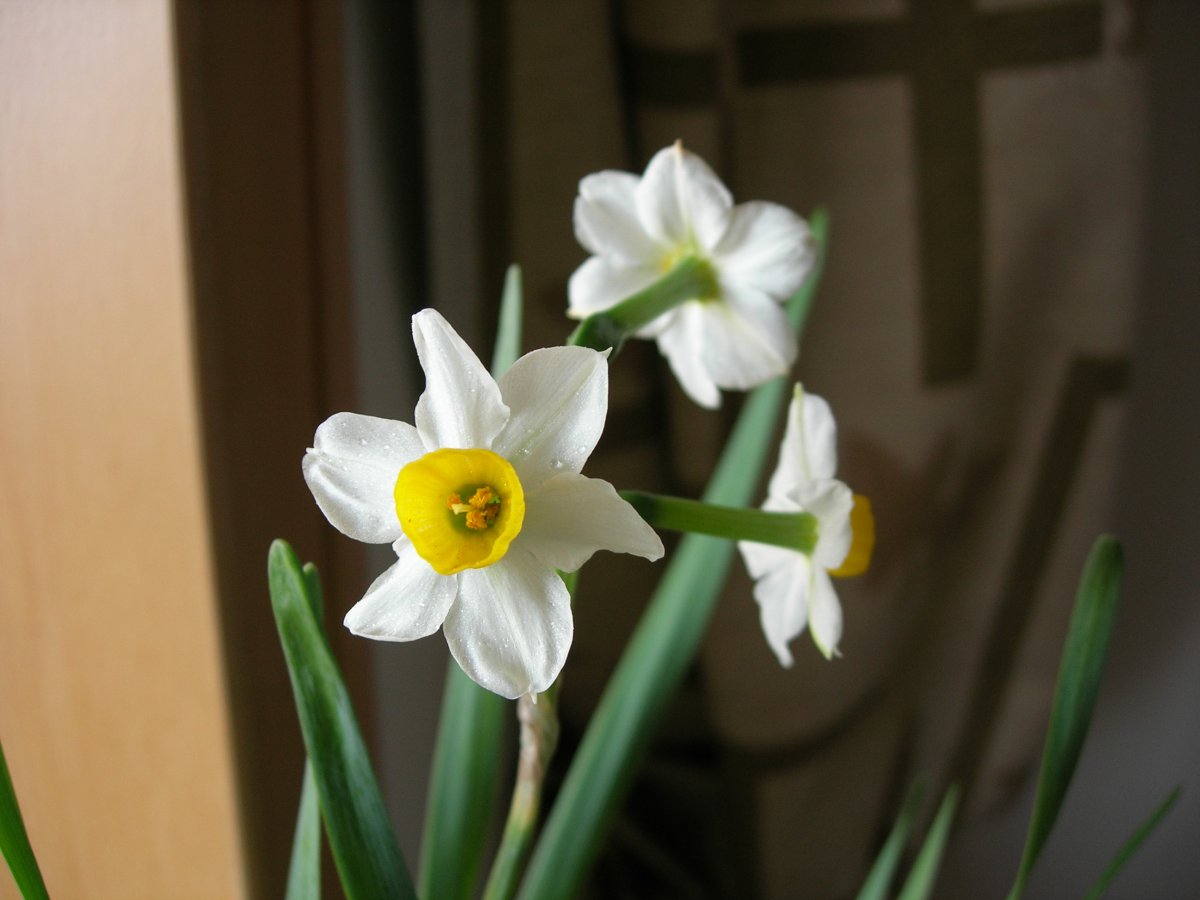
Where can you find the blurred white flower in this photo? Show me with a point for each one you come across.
(793, 589)
(482, 501)
(640, 228)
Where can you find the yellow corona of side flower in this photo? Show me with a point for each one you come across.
(794, 590)
(482, 500)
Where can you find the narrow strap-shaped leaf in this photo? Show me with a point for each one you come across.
(304, 871)
(466, 756)
(1131, 846)
(14, 841)
(658, 654)
(923, 875)
(508, 330)
(879, 879)
(462, 786)
(1075, 694)
(364, 846)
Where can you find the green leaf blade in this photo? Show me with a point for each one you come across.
(304, 871)
(923, 876)
(663, 644)
(508, 332)
(361, 837)
(879, 879)
(14, 840)
(462, 786)
(1131, 846)
(1079, 674)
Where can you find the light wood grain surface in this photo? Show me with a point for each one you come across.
(112, 709)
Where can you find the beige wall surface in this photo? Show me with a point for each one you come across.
(112, 711)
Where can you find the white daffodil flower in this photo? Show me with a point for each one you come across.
(759, 254)
(482, 501)
(794, 589)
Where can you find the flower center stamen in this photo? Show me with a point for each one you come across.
(447, 532)
(480, 511)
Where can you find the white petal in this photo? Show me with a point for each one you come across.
(606, 219)
(559, 400)
(681, 345)
(737, 343)
(461, 405)
(351, 470)
(511, 626)
(763, 558)
(571, 517)
(824, 614)
(831, 502)
(750, 337)
(782, 595)
(680, 199)
(408, 601)
(600, 283)
(809, 448)
(768, 247)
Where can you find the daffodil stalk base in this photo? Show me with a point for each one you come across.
(538, 717)
(791, 530)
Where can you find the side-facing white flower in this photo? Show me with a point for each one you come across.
(794, 589)
(481, 501)
(759, 254)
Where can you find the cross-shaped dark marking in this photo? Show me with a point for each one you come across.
(943, 46)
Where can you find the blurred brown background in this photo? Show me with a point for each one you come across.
(217, 217)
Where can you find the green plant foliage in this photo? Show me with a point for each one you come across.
(879, 879)
(14, 842)
(923, 875)
(360, 834)
(659, 652)
(1131, 846)
(1079, 676)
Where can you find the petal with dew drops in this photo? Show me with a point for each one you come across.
(351, 470)
(599, 284)
(606, 219)
(408, 601)
(559, 400)
(824, 613)
(511, 627)
(768, 247)
(461, 405)
(680, 199)
(571, 516)
(809, 447)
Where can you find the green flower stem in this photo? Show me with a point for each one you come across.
(795, 531)
(539, 737)
(692, 277)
